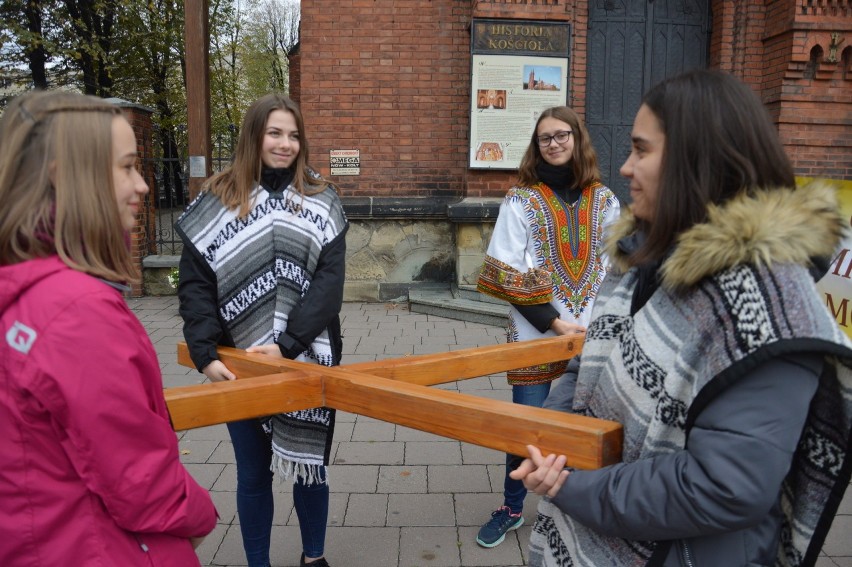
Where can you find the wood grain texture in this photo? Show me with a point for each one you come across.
(429, 369)
(440, 368)
(393, 391)
(220, 402)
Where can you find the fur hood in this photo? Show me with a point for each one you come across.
(758, 227)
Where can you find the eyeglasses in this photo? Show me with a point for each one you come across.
(560, 137)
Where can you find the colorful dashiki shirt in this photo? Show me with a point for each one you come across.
(544, 250)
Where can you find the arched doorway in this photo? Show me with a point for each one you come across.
(632, 46)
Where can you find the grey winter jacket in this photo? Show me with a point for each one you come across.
(725, 498)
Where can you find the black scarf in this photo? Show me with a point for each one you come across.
(561, 179)
(647, 274)
(276, 179)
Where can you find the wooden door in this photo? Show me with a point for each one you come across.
(632, 45)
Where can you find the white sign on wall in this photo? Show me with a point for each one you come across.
(508, 94)
(345, 162)
(518, 69)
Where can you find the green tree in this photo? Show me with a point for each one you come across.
(29, 38)
(135, 50)
(250, 42)
(153, 73)
(274, 32)
(91, 41)
(63, 41)
(227, 91)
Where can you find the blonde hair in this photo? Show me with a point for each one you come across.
(233, 186)
(56, 185)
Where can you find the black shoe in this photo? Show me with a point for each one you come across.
(321, 562)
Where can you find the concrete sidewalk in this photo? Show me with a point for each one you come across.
(399, 497)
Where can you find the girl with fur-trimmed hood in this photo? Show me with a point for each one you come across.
(713, 348)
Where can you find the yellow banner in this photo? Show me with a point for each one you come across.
(836, 286)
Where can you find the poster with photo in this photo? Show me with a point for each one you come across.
(508, 94)
(518, 69)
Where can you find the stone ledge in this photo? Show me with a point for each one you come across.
(162, 261)
(390, 292)
(444, 303)
(412, 208)
(474, 209)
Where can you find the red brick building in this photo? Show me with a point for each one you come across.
(140, 245)
(392, 79)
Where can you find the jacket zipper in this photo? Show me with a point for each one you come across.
(686, 555)
(142, 544)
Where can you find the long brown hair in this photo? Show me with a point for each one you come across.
(56, 184)
(720, 141)
(584, 160)
(234, 185)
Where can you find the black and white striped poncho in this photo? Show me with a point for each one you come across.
(264, 264)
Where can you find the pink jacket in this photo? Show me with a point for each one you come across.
(89, 468)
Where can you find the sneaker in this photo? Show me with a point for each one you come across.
(321, 562)
(494, 532)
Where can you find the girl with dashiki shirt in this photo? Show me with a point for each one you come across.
(262, 269)
(545, 258)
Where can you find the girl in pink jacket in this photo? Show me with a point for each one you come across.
(90, 469)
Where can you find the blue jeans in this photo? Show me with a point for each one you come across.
(253, 452)
(514, 491)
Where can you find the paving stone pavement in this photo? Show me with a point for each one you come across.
(399, 497)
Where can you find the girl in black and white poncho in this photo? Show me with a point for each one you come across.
(262, 269)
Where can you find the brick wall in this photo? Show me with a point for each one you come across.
(814, 105)
(391, 78)
(140, 119)
(780, 48)
(736, 42)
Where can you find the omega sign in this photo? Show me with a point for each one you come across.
(345, 162)
(520, 37)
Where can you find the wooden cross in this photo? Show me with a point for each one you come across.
(395, 390)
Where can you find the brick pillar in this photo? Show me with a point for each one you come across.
(808, 92)
(783, 50)
(295, 66)
(142, 241)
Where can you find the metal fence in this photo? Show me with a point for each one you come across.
(170, 191)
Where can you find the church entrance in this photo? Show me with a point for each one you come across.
(631, 47)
